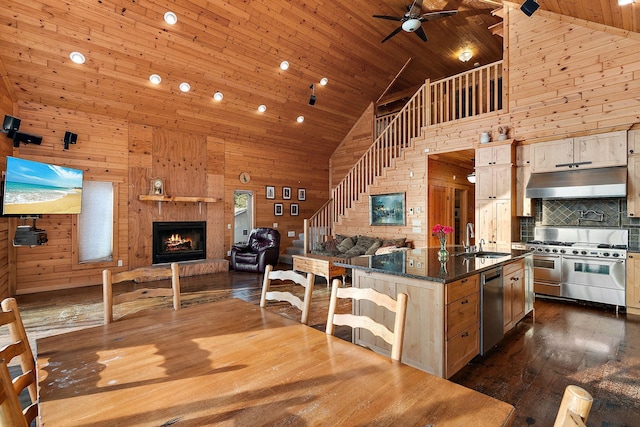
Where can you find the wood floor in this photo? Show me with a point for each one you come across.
(566, 344)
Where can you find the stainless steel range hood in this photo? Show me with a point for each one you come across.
(578, 184)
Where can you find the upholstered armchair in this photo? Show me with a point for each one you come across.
(262, 249)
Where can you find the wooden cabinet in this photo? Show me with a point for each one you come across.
(592, 151)
(493, 224)
(494, 155)
(633, 284)
(514, 293)
(524, 205)
(494, 182)
(462, 323)
(633, 174)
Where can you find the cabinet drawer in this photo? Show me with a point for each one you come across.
(462, 348)
(459, 288)
(462, 313)
(512, 267)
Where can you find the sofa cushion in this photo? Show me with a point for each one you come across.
(374, 247)
(345, 245)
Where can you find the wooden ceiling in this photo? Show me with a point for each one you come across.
(236, 47)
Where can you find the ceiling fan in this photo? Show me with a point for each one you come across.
(413, 19)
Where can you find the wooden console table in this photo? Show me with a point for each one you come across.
(319, 265)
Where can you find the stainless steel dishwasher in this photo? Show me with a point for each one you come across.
(491, 309)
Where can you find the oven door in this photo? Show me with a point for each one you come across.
(547, 273)
(594, 279)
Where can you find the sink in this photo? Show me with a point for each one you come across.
(483, 254)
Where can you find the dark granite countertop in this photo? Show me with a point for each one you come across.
(423, 263)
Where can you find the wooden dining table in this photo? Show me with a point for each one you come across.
(233, 363)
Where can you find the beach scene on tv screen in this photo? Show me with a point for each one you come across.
(38, 188)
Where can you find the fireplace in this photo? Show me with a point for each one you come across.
(179, 241)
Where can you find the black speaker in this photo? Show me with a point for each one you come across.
(10, 125)
(312, 100)
(27, 138)
(529, 6)
(69, 138)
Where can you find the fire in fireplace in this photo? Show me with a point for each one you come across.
(179, 241)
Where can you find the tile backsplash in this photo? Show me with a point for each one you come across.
(590, 213)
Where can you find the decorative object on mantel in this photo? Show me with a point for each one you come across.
(485, 138)
(157, 187)
(286, 193)
(502, 133)
(270, 192)
(441, 232)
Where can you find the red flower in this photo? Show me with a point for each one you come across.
(442, 229)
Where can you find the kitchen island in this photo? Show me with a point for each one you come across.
(442, 332)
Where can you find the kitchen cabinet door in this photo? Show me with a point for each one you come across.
(514, 293)
(494, 182)
(602, 150)
(494, 155)
(546, 155)
(633, 283)
(633, 186)
(494, 225)
(524, 205)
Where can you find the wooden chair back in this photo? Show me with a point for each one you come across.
(398, 306)
(19, 347)
(306, 281)
(574, 407)
(10, 410)
(137, 275)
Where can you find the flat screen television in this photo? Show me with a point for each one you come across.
(34, 188)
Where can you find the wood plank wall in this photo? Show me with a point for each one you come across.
(566, 77)
(7, 106)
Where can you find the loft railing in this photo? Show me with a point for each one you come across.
(465, 95)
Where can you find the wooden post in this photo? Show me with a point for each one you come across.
(575, 400)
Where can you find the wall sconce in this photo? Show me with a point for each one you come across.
(472, 177)
(465, 55)
(69, 138)
(529, 6)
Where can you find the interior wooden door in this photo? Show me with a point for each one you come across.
(440, 211)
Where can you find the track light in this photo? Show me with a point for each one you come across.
(312, 99)
(529, 6)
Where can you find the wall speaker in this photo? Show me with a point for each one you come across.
(529, 6)
(10, 125)
(312, 100)
(69, 138)
(27, 138)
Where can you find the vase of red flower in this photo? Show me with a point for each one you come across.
(441, 232)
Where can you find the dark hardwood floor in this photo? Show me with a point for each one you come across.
(566, 344)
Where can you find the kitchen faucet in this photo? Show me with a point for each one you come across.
(469, 234)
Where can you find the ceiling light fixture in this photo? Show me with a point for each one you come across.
(77, 57)
(284, 65)
(625, 2)
(218, 96)
(185, 87)
(262, 108)
(170, 18)
(324, 81)
(472, 177)
(529, 6)
(465, 55)
(300, 119)
(155, 79)
(410, 25)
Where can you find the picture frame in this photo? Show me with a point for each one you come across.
(156, 187)
(270, 192)
(302, 194)
(387, 209)
(286, 193)
(277, 209)
(294, 211)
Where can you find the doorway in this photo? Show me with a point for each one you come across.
(242, 216)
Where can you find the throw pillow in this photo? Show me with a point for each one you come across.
(345, 245)
(373, 248)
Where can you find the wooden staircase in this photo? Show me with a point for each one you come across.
(462, 96)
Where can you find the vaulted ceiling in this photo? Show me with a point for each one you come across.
(235, 47)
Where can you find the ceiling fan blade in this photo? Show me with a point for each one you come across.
(390, 18)
(415, 8)
(396, 31)
(430, 16)
(420, 33)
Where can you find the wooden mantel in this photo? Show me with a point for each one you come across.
(188, 199)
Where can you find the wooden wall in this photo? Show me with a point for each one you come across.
(7, 106)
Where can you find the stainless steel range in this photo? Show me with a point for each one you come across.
(580, 263)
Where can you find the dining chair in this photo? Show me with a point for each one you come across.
(138, 275)
(574, 407)
(399, 306)
(19, 347)
(10, 410)
(288, 276)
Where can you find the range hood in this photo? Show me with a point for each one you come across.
(578, 184)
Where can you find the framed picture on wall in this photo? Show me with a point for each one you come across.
(302, 194)
(277, 209)
(286, 193)
(270, 192)
(294, 209)
(387, 209)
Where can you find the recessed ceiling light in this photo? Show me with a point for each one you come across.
(284, 65)
(170, 18)
(300, 119)
(155, 79)
(625, 2)
(262, 108)
(324, 81)
(465, 55)
(185, 87)
(77, 57)
(218, 96)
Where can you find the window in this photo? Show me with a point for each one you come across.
(95, 222)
